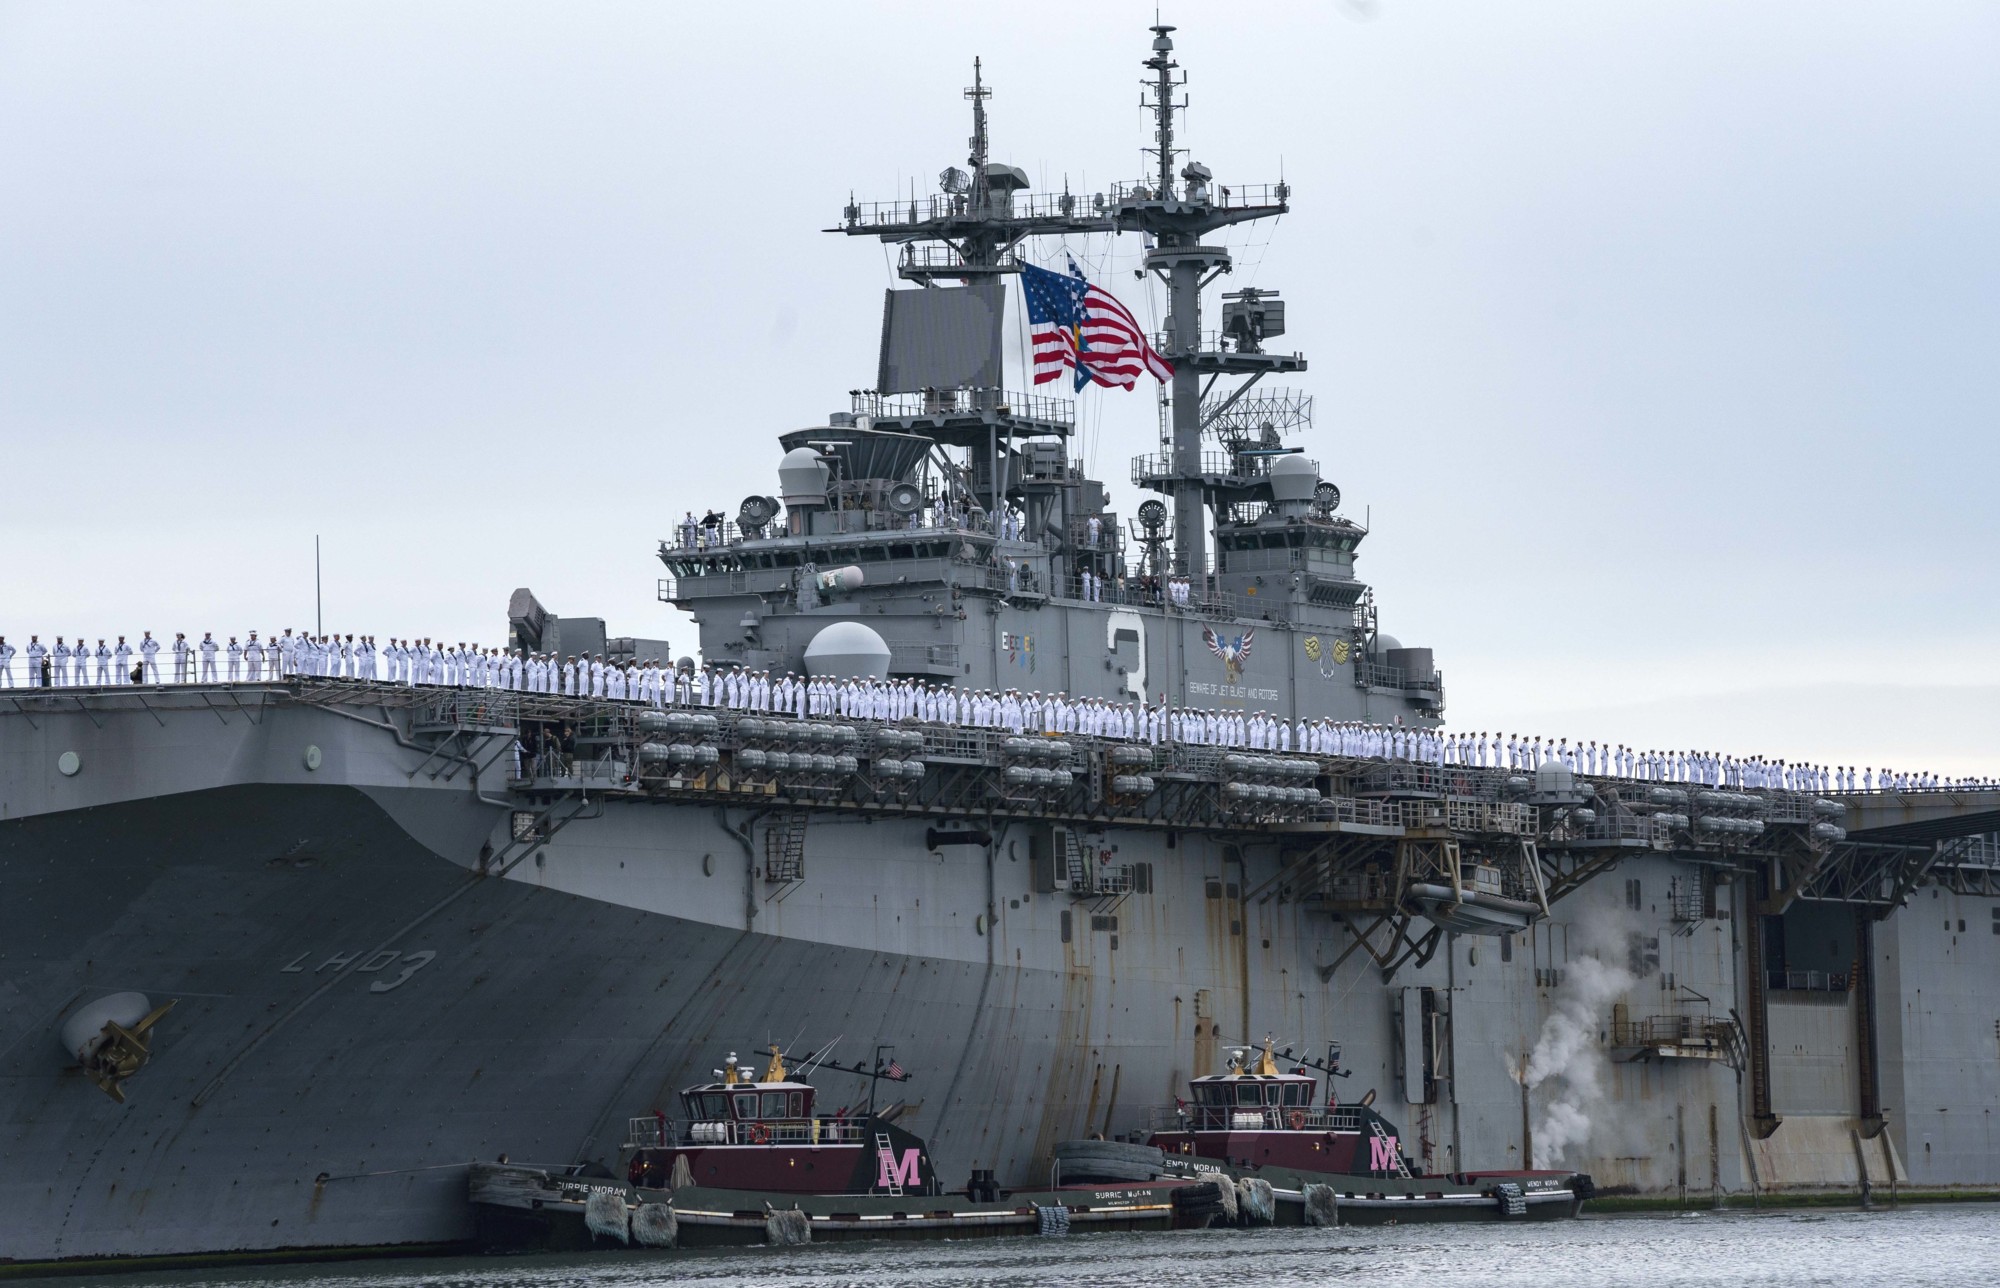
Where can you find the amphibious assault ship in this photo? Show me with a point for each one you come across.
(278, 960)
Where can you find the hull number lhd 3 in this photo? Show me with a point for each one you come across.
(379, 960)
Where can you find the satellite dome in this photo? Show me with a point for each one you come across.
(845, 649)
(1386, 643)
(1293, 478)
(802, 477)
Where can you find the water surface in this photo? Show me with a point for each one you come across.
(1947, 1245)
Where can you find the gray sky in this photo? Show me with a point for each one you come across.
(1656, 340)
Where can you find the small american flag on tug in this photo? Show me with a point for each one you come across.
(1078, 326)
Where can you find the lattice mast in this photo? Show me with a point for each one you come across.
(1177, 211)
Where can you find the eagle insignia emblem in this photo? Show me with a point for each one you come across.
(1233, 651)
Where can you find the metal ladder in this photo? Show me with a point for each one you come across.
(1082, 879)
(545, 823)
(884, 1150)
(785, 850)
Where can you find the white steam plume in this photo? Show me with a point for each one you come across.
(1567, 1052)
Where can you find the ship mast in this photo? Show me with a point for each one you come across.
(978, 93)
(1177, 216)
(968, 231)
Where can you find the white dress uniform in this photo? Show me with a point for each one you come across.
(149, 657)
(235, 660)
(103, 656)
(124, 655)
(58, 665)
(208, 648)
(253, 654)
(7, 652)
(181, 659)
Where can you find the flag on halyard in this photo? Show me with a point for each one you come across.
(1081, 327)
(895, 1070)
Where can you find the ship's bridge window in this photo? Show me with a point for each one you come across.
(774, 1104)
(746, 1104)
(1292, 1093)
(1249, 1093)
(798, 1109)
(712, 1105)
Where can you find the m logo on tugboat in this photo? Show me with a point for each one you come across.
(1382, 1153)
(892, 1173)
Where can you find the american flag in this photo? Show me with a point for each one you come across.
(1081, 327)
(895, 1070)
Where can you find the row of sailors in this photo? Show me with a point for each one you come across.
(650, 681)
(1018, 712)
(193, 662)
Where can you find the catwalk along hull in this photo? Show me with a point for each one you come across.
(360, 1012)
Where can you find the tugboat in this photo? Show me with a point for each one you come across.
(1320, 1161)
(754, 1160)
(767, 1134)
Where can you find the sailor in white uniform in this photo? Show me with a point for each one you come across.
(235, 660)
(123, 653)
(253, 654)
(149, 658)
(181, 658)
(208, 648)
(7, 652)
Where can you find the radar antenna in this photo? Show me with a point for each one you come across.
(978, 93)
(1160, 102)
(970, 231)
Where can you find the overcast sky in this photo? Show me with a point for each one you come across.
(1656, 340)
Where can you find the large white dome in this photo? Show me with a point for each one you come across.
(1293, 478)
(802, 477)
(845, 649)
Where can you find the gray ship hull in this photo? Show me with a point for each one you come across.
(360, 1012)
